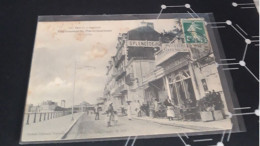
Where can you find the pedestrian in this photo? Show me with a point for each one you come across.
(115, 118)
(139, 113)
(170, 113)
(110, 114)
(129, 112)
(156, 108)
(151, 108)
(97, 112)
(123, 111)
(107, 119)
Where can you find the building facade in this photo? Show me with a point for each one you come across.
(149, 67)
(185, 73)
(46, 106)
(125, 70)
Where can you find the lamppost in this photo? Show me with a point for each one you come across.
(74, 85)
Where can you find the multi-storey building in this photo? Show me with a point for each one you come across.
(135, 51)
(184, 72)
(147, 68)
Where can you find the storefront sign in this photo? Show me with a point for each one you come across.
(174, 48)
(136, 43)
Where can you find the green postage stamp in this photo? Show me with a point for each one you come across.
(194, 31)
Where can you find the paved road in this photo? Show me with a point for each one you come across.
(87, 127)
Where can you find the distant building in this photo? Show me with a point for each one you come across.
(32, 108)
(62, 103)
(48, 106)
(84, 107)
(28, 107)
(101, 102)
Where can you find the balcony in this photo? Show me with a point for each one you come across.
(122, 88)
(157, 73)
(129, 78)
(119, 57)
(121, 72)
(118, 90)
(169, 50)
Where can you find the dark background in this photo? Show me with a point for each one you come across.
(18, 21)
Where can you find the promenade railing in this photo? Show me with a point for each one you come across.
(35, 117)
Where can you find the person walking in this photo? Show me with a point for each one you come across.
(139, 113)
(170, 112)
(123, 111)
(156, 108)
(97, 112)
(115, 118)
(129, 112)
(110, 114)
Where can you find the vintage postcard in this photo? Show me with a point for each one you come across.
(114, 76)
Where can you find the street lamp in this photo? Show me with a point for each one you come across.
(74, 84)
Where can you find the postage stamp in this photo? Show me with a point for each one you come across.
(194, 31)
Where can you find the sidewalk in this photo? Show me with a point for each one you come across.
(52, 129)
(197, 125)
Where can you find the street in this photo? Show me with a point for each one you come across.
(88, 127)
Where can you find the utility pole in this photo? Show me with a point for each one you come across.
(74, 87)
(73, 97)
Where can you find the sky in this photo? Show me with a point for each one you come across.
(88, 44)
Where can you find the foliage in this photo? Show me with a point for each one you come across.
(212, 101)
(167, 37)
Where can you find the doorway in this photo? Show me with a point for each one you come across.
(181, 88)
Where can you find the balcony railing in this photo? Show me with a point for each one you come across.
(168, 50)
(157, 73)
(122, 88)
(129, 78)
(119, 57)
(120, 73)
(118, 90)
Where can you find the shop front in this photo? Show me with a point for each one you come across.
(155, 95)
(194, 89)
(119, 98)
(182, 94)
(181, 86)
